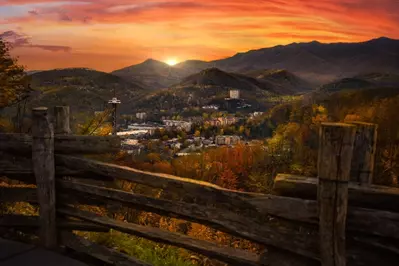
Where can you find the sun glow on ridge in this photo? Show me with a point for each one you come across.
(171, 61)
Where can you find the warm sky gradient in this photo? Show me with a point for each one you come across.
(110, 34)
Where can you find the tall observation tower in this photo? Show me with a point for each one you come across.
(114, 102)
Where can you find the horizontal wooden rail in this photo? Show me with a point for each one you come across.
(225, 254)
(18, 194)
(191, 190)
(24, 221)
(356, 254)
(20, 168)
(64, 144)
(13, 142)
(255, 228)
(202, 192)
(379, 223)
(374, 222)
(11, 165)
(371, 197)
(98, 252)
(369, 221)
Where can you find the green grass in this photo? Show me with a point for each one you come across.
(142, 249)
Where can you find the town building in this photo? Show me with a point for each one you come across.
(232, 104)
(211, 107)
(141, 116)
(140, 129)
(132, 133)
(227, 140)
(132, 146)
(196, 119)
(234, 94)
(177, 124)
(222, 121)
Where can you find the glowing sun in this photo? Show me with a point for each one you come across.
(171, 61)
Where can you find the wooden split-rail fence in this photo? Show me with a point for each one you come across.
(336, 219)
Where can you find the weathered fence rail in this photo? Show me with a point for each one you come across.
(63, 144)
(372, 196)
(338, 218)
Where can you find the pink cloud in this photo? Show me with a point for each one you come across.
(18, 40)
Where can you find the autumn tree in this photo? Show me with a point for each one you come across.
(96, 125)
(14, 81)
(153, 157)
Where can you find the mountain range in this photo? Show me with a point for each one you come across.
(282, 70)
(316, 62)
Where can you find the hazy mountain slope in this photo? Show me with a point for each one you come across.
(320, 62)
(190, 67)
(363, 81)
(217, 77)
(79, 76)
(152, 73)
(84, 90)
(381, 79)
(281, 80)
(347, 84)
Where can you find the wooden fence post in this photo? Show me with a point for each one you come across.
(334, 162)
(364, 153)
(61, 127)
(61, 114)
(43, 169)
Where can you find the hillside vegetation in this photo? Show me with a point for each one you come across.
(210, 86)
(82, 89)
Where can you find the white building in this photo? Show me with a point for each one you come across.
(211, 107)
(141, 116)
(133, 133)
(142, 129)
(182, 125)
(132, 146)
(235, 94)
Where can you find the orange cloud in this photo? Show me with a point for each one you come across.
(132, 30)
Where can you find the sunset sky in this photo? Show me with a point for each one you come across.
(110, 34)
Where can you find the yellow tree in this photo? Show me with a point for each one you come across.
(97, 125)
